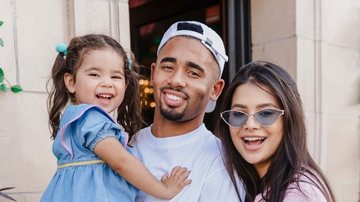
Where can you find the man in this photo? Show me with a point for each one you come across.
(187, 82)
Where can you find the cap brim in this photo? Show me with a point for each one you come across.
(210, 106)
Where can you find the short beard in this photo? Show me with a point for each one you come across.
(171, 115)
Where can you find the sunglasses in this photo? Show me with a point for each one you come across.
(238, 119)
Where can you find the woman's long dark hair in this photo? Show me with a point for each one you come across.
(129, 112)
(292, 158)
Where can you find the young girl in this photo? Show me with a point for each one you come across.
(264, 137)
(94, 74)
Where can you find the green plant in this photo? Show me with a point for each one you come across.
(14, 89)
(1, 41)
(5, 195)
(3, 86)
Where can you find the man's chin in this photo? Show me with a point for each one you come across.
(172, 114)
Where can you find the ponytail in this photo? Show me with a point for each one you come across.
(58, 95)
(129, 112)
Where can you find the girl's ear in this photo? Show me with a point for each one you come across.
(69, 82)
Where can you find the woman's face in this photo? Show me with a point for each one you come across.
(256, 143)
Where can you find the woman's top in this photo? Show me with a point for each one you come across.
(308, 192)
(81, 175)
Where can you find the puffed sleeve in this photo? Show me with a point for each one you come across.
(95, 126)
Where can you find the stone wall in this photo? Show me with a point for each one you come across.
(30, 33)
(318, 42)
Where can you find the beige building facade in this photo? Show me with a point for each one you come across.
(317, 40)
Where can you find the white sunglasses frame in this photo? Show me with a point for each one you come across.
(248, 116)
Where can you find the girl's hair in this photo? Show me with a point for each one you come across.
(292, 159)
(128, 113)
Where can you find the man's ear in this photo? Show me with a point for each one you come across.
(69, 81)
(153, 66)
(217, 89)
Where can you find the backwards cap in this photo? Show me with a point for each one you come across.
(208, 37)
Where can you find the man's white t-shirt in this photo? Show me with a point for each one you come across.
(198, 151)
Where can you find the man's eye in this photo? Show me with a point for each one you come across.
(166, 67)
(194, 74)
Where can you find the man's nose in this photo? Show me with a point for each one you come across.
(178, 78)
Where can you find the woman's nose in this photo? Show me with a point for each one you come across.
(251, 122)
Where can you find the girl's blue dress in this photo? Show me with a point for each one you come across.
(81, 128)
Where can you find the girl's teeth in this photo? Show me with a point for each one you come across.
(104, 96)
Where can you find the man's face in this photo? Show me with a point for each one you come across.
(184, 78)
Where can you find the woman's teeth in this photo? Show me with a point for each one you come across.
(253, 139)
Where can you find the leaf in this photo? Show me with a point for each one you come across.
(2, 75)
(16, 88)
(1, 23)
(3, 87)
(7, 196)
(6, 188)
(1, 42)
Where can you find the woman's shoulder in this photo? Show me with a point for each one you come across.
(307, 187)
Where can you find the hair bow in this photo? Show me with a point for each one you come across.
(61, 48)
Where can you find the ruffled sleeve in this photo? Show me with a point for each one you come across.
(90, 125)
(94, 127)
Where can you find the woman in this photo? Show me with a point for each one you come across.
(263, 131)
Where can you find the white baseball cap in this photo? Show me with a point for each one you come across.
(208, 37)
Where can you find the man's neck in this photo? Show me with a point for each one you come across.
(166, 128)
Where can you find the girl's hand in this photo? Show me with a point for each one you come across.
(176, 181)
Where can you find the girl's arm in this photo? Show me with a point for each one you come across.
(114, 154)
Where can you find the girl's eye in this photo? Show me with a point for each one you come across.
(94, 74)
(116, 77)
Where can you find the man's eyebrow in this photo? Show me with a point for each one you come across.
(196, 66)
(168, 59)
(190, 64)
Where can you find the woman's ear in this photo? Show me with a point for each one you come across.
(69, 81)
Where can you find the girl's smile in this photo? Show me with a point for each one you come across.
(100, 80)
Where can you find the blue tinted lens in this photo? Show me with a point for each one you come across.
(267, 116)
(235, 118)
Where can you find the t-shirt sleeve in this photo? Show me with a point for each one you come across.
(94, 126)
(219, 186)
